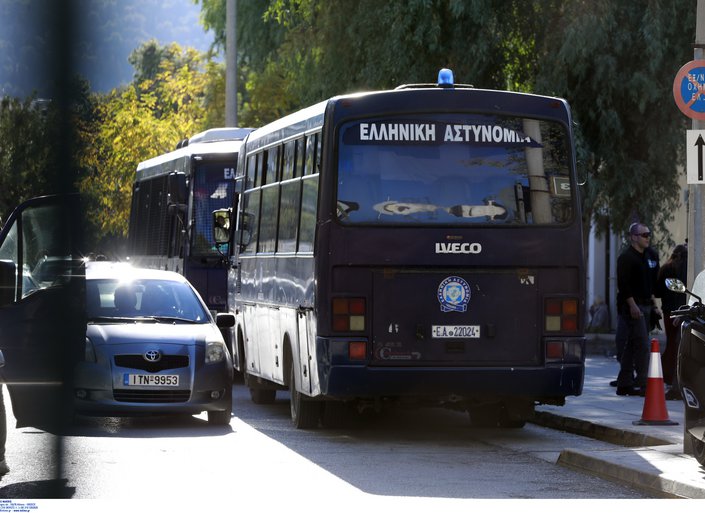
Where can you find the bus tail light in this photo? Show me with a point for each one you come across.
(565, 350)
(357, 350)
(561, 315)
(349, 314)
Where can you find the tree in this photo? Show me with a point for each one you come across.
(24, 152)
(31, 154)
(296, 52)
(615, 62)
(142, 121)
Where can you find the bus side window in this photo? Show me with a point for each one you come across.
(309, 204)
(299, 159)
(249, 221)
(289, 216)
(317, 163)
(251, 180)
(272, 165)
(310, 161)
(288, 160)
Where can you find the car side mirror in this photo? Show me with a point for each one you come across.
(224, 320)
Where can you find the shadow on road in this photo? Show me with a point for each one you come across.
(47, 489)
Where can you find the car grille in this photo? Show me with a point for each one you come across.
(136, 361)
(151, 396)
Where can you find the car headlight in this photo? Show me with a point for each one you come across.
(89, 352)
(215, 352)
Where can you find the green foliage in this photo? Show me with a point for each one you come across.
(44, 144)
(615, 63)
(169, 101)
(24, 151)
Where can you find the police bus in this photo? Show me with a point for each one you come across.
(172, 200)
(421, 245)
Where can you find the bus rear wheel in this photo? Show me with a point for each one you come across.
(305, 413)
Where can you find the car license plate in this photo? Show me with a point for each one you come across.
(455, 331)
(151, 380)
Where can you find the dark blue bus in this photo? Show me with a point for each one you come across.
(172, 200)
(420, 245)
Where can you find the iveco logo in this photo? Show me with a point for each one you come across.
(466, 248)
(152, 356)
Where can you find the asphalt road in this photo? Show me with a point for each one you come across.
(411, 459)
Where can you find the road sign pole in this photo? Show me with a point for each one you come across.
(696, 192)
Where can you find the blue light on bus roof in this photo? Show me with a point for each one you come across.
(445, 78)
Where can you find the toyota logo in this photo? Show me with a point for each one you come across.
(152, 356)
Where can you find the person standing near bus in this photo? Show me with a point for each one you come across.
(675, 267)
(635, 301)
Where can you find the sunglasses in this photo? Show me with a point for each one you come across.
(646, 235)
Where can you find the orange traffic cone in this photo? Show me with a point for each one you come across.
(655, 412)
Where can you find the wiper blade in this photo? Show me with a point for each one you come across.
(163, 318)
(100, 319)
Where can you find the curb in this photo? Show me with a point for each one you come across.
(657, 483)
(641, 461)
(612, 435)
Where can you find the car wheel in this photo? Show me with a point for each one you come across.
(305, 413)
(219, 418)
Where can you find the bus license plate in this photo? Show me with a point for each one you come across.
(151, 380)
(455, 331)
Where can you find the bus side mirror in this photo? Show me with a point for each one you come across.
(221, 226)
(176, 188)
(8, 275)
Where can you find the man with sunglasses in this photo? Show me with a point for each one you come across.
(635, 300)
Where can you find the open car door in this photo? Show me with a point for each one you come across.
(42, 307)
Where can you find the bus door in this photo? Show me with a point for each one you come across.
(42, 311)
(305, 362)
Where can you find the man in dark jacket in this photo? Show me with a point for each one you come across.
(635, 301)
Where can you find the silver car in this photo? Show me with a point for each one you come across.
(151, 346)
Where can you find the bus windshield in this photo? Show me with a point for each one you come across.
(213, 189)
(454, 169)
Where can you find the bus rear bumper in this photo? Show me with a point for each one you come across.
(542, 383)
(549, 383)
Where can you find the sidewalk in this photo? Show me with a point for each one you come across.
(649, 457)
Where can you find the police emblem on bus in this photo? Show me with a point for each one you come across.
(454, 294)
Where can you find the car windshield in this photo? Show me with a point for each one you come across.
(147, 299)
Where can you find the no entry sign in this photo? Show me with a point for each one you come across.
(689, 89)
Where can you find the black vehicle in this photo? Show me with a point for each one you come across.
(42, 316)
(691, 368)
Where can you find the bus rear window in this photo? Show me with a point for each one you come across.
(454, 169)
